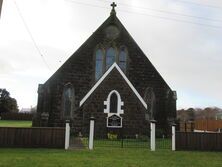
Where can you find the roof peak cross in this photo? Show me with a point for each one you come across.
(113, 8)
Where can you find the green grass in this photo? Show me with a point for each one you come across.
(107, 157)
(128, 143)
(12, 123)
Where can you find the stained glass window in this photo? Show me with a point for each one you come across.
(68, 100)
(104, 61)
(113, 103)
(99, 64)
(110, 57)
(122, 59)
(150, 99)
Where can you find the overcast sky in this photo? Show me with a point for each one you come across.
(187, 51)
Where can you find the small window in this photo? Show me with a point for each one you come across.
(123, 59)
(68, 100)
(99, 64)
(113, 103)
(110, 57)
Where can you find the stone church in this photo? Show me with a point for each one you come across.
(110, 78)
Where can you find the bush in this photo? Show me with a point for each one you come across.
(112, 136)
(143, 137)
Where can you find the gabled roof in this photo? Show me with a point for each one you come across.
(112, 19)
(104, 76)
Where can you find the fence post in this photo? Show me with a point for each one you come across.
(91, 132)
(152, 135)
(173, 136)
(67, 135)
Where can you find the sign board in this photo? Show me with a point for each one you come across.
(114, 121)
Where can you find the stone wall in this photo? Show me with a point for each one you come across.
(134, 112)
(79, 71)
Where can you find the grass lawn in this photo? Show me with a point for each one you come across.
(129, 143)
(108, 157)
(12, 123)
(118, 143)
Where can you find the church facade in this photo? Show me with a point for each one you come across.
(110, 78)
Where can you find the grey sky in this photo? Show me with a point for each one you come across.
(187, 55)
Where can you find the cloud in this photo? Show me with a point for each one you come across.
(6, 67)
(23, 69)
(188, 56)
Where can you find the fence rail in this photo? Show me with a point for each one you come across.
(122, 142)
(208, 125)
(201, 124)
(198, 141)
(32, 137)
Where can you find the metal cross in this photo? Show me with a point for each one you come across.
(113, 5)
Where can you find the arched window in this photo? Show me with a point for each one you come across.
(113, 103)
(110, 57)
(150, 99)
(104, 60)
(68, 100)
(122, 58)
(99, 64)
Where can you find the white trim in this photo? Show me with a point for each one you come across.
(119, 104)
(104, 76)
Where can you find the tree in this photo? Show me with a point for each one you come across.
(198, 113)
(190, 114)
(7, 104)
(186, 115)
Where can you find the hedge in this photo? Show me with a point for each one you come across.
(16, 116)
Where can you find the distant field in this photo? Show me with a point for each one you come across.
(107, 157)
(12, 123)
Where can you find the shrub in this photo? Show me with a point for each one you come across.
(16, 116)
(112, 136)
(143, 137)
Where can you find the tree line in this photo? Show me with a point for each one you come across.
(192, 114)
(7, 103)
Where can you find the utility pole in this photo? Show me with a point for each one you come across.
(1, 1)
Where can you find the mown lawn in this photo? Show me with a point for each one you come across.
(12, 123)
(130, 143)
(108, 157)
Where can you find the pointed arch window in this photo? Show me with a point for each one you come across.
(110, 57)
(105, 59)
(113, 103)
(150, 99)
(123, 58)
(99, 64)
(114, 109)
(68, 100)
